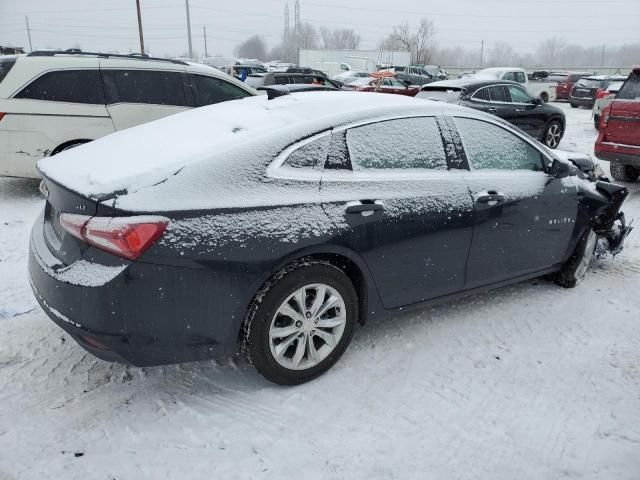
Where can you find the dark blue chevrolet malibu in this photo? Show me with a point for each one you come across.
(273, 226)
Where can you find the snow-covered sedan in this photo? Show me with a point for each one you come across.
(274, 226)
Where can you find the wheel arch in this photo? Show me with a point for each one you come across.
(345, 259)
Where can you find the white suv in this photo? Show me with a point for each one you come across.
(51, 101)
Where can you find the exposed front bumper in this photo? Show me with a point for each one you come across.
(142, 315)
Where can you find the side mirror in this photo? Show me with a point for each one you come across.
(537, 101)
(560, 169)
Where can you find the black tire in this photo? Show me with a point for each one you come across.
(544, 96)
(596, 122)
(255, 339)
(623, 173)
(573, 105)
(575, 269)
(553, 134)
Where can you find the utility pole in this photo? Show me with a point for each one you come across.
(481, 52)
(602, 59)
(26, 19)
(204, 28)
(189, 29)
(140, 27)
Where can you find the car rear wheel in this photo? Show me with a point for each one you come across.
(300, 322)
(575, 269)
(623, 173)
(596, 122)
(553, 134)
(573, 105)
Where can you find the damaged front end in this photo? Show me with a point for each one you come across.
(609, 222)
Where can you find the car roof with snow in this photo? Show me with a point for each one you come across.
(463, 83)
(215, 144)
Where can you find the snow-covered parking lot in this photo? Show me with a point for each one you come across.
(530, 382)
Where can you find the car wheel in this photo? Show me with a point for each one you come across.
(300, 323)
(544, 96)
(623, 173)
(596, 122)
(573, 105)
(575, 269)
(553, 134)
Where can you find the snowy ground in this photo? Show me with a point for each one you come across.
(529, 382)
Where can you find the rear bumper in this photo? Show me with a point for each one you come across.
(582, 102)
(612, 152)
(140, 314)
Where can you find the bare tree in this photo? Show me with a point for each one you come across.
(340, 38)
(421, 44)
(424, 41)
(503, 54)
(253, 47)
(307, 36)
(551, 49)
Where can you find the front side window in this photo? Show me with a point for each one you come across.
(210, 90)
(75, 86)
(490, 146)
(630, 90)
(145, 86)
(499, 94)
(518, 95)
(509, 76)
(403, 143)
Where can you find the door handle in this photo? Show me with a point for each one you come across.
(491, 197)
(493, 110)
(365, 206)
(519, 110)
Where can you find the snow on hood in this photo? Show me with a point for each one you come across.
(147, 154)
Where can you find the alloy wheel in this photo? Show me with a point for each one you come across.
(307, 326)
(554, 135)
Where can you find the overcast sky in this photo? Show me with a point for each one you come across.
(111, 25)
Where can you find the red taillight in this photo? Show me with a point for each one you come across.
(126, 237)
(604, 117)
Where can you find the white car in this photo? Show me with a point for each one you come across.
(544, 90)
(350, 76)
(52, 101)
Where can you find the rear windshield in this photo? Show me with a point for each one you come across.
(6, 63)
(631, 88)
(557, 78)
(587, 83)
(440, 94)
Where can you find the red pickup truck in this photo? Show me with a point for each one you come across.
(619, 138)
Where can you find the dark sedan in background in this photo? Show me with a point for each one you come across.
(278, 229)
(586, 90)
(505, 99)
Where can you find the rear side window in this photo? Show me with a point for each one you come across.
(631, 88)
(403, 143)
(311, 155)
(209, 90)
(144, 86)
(499, 94)
(6, 64)
(74, 86)
(490, 146)
(482, 94)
